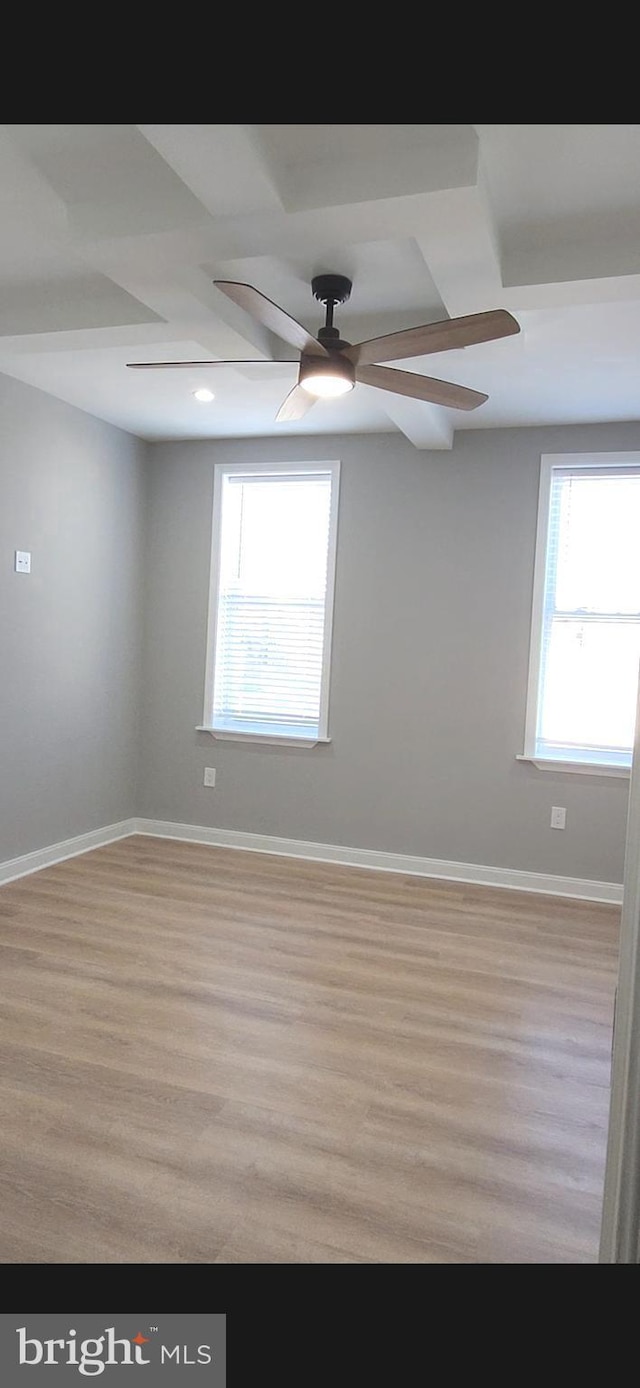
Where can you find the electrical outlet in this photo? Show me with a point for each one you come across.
(558, 817)
(22, 562)
(209, 775)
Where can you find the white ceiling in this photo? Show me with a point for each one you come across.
(111, 235)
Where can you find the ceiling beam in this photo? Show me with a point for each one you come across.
(221, 165)
(459, 244)
(424, 425)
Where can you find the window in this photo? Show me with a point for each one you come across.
(272, 579)
(585, 639)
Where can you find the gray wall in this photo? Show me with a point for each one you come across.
(430, 656)
(71, 491)
(431, 633)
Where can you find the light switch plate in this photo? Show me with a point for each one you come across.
(23, 561)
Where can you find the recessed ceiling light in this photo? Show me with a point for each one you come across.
(204, 395)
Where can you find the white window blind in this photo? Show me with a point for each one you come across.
(272, 601)
(588, 635)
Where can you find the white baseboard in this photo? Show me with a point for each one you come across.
(512, 878)
(379, 861)
(69, 848)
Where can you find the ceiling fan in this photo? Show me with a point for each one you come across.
(329, 366)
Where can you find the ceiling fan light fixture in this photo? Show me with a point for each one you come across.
(326, 377)
(326, 387)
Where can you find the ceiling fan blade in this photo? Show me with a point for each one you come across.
(271, 316)
(435, 337)
(421, 387)
(295, 406)
(251, 361)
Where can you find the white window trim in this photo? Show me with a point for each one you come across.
(582, 768)
(222, 470)
(548, 462)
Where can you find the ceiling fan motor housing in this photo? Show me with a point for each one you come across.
(311, 365)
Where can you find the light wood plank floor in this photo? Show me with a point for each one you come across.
(213, 1056)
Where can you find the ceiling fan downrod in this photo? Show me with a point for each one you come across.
(331, 290)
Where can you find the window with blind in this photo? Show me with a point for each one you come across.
(586, 613)
(272, 579)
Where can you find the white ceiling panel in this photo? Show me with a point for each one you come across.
(111, 236)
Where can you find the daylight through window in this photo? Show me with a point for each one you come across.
(586, 627)
(272, 600)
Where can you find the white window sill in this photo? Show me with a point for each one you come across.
(225, 735)
(582, 768)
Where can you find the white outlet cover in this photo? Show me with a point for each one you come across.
(209, 776)
(22, 563)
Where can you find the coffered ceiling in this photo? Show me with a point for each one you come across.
(111, 235)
